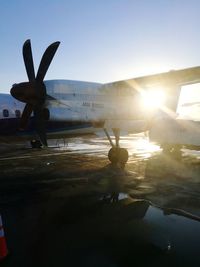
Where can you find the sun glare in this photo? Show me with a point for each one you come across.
(153, 98)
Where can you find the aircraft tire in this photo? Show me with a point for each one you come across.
(118, 155)
(123, 156)
(113, 155)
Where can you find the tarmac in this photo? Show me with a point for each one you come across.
(68, 206)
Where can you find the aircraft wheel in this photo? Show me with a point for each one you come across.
(118, 155)
(113, 155)
(123, 156)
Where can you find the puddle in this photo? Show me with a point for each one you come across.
(170, 238)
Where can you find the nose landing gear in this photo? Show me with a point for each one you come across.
(116, 154)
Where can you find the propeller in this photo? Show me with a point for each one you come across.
(33, 92)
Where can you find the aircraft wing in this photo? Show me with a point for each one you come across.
(173, 77)
(170, 82)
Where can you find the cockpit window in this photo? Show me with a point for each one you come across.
(5, 113)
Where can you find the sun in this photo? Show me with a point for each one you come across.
(153, 98)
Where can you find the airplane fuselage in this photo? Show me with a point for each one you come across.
(74, 107)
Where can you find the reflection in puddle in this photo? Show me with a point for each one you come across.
(176, 236)
(181, 234)
(114, 197)
(116, 230)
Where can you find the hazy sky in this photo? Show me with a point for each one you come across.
(101, 40)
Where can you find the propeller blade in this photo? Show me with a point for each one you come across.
(25, 116)
(46, 61)
(28, 60)
(40, 124)
(33, 93)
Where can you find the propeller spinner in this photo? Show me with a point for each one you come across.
(33, 93)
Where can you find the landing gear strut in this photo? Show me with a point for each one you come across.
(116, 154)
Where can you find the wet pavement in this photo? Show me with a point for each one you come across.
(67, 206)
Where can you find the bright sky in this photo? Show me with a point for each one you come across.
(101, 40)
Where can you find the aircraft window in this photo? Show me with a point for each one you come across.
(17, 113)
(5, 113)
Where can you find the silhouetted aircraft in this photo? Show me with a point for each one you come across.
(40, 109)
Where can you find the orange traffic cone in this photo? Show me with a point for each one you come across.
(3, 246)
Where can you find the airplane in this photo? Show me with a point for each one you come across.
(37, 110)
